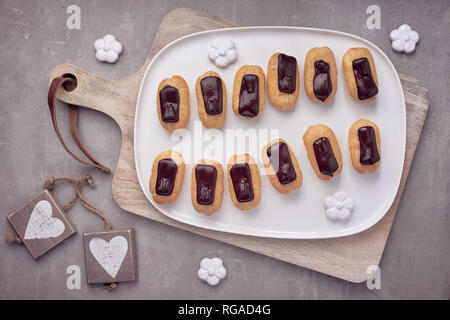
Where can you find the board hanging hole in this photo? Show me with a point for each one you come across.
(70, 85)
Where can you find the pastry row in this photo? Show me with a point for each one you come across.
(280, 164)
(283, 86)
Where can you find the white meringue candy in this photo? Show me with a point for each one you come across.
(404, 39)
(212, 271)
(339, 206)
(222, 52)
(108, 49)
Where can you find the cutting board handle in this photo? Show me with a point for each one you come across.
(112, 97)
(115, 98)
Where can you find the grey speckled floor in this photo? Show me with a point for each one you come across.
(34, 39)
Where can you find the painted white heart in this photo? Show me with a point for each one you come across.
(41, 225)
(110, 254)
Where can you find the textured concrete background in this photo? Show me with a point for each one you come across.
(34, 39)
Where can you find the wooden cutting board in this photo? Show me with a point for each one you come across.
(346, 258)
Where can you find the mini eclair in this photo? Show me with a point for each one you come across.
(248, 92)
(283, 81)
(323, 151)
(244, 181)
(207, 186)
(167, 176)
(364, 144)
(281, 166)
(320, 74)
(211, 99)
(173, 103)
(360, 74)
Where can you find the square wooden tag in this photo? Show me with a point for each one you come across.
(110, 256)
(41, 224)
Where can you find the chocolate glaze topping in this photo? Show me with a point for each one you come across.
(322, 81)
(364, 81)
(205, 176)
(287, 73)
(281, 161)
(242, 182)
(169, 100)
(249, 96)
(165, 180)
(325, 157)
(368, 146)
(212, 94)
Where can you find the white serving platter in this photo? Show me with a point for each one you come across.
(301, 214)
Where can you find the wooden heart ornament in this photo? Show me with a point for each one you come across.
(110, 254)
(41, 224)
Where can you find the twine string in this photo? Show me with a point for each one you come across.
(86, 179)
(49, 184)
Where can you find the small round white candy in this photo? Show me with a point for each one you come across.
(404, 39)
(222, 52)
(339, 206)
(108, 49)
(212, 270)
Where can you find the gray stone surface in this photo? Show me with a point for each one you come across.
(34, 39)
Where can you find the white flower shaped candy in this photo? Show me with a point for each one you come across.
(404, 39)
(212, 271)
(222, 52)
(339, 206)
(107, 49)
